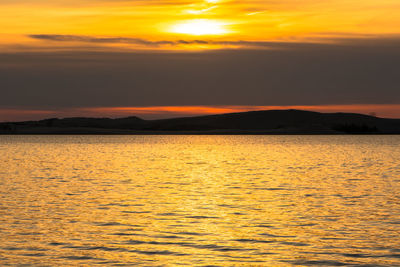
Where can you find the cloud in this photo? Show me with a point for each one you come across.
(161, 43)
(362, 71)
(336, 39)
(110, 40)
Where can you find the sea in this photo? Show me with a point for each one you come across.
(182, 200)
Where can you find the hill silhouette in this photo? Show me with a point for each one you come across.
(253, 122)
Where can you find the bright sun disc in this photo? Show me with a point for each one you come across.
(200, 27)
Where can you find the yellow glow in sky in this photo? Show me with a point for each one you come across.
(168, 21)
(200, 27)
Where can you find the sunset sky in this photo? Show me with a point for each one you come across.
(155, 58)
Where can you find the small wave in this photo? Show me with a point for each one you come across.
(272, 188)
(58, 244)
(77, 258)
(396, 256)
(115, 224)
(103, 248)
(12, 248)
(245, 240)
(297, 244)
(29, 233)
(318, 262)
(109, 224)
(36, 249)
(277, 236)
(264, 226)
(201, 217)
(188, 233)
(157, 252)
(168, 214)
(127, 234)
(189, 244)
(168, 236)
(34, 254)
(135, 212)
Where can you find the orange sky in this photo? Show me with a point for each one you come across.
(166, 20)
(174, 26)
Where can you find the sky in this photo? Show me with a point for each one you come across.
(166, 58)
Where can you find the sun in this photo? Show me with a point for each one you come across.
(200, 27)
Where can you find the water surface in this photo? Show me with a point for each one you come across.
(200, 200)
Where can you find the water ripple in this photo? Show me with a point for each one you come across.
(199, 200)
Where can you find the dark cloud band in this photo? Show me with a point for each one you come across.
(362, 71)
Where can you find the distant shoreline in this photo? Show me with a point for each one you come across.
(271, 122)
(189, 133)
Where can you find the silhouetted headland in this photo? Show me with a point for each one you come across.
(253, 122)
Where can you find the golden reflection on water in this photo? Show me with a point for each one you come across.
(199, 200)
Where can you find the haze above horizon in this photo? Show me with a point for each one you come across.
(72, 57)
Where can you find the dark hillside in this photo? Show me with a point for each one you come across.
(258, 122)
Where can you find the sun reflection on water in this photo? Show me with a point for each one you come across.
(200, 200)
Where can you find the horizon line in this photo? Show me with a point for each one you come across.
(391, 111)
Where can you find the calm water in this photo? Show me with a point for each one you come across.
(200, 200)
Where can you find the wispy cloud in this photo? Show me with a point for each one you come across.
(173, 43)
(122, 40)
(316, 40)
